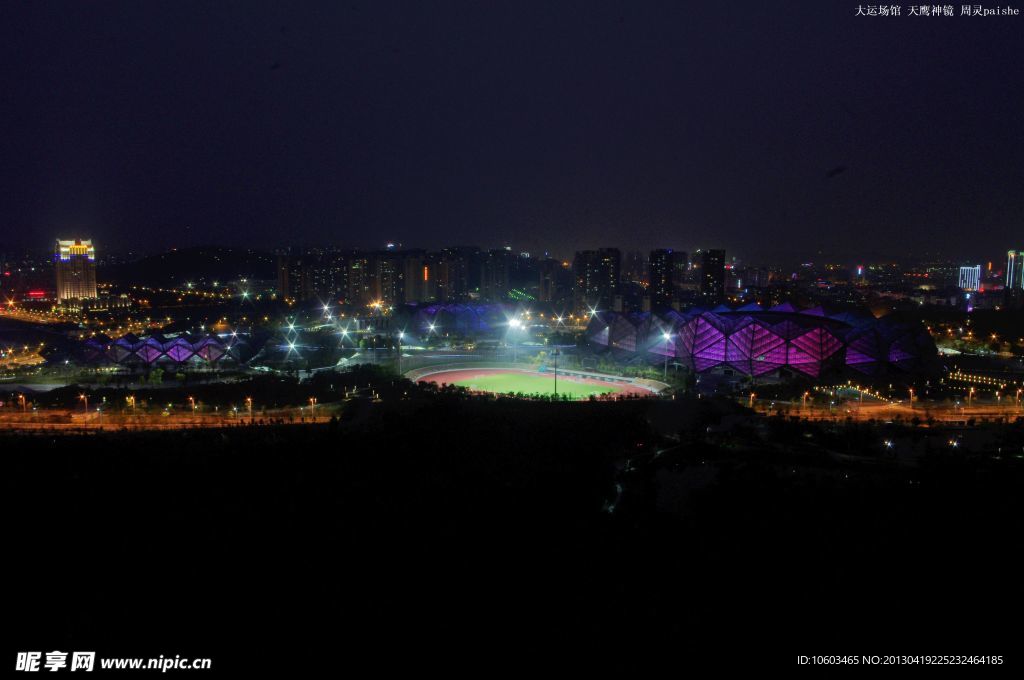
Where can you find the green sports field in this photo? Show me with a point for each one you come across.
(527, 383)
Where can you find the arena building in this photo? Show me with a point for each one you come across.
(173, 351)
(753, 341)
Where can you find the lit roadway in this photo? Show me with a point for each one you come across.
(18, 314)
(16, 417)
(883, 411)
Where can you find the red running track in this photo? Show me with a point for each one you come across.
(454, 376)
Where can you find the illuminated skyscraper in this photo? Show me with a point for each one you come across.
(1014, 270)
(74, 263)
(970, 278)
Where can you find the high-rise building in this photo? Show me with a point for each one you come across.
(1014, 292)
(321, 275)
(634, 266)
(597, 278)
(556, 283)
(970, 278)
(1015, 270)
(495, 275)
(712, 271)
(437, 278)
(360, 280)
(680, 271)
(75, 267)
(464, 265)
(389, 278)
(548, 270)
(415, 277)
(756, 277)
(292, 282)
(666, 269)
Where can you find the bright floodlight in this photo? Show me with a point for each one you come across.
(515, 323)
(666, 336)
(401, 334)
(431, 327)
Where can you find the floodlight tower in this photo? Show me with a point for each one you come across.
(554, 355)
(514, 325)
(401, 334)
(666, 337)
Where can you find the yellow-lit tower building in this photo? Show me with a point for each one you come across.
(75, 264)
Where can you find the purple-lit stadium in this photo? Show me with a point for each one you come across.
(753, 341)
(199, 351)
(465, 319)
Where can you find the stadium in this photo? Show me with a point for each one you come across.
(171, 351)
(755, 342)
(570, 384)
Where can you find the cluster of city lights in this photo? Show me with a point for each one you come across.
(960, 376)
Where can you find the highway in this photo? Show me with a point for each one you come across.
(884, 411)
(16, 419)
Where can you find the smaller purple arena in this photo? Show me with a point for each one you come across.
(178, 350)
(781, 341)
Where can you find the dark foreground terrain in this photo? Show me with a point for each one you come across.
(454, 534)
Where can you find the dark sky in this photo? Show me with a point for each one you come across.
(760, 127)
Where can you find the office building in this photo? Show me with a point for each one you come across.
(75, 268)
(712, 272)
(970, 278)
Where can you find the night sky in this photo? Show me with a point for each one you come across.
(760, 127)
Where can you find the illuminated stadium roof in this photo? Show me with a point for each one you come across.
(151, 350)
(468, 319)
(754, 341)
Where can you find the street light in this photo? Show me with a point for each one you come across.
(666, 337)
(312, 408)
(192, 401)
(248, 404)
